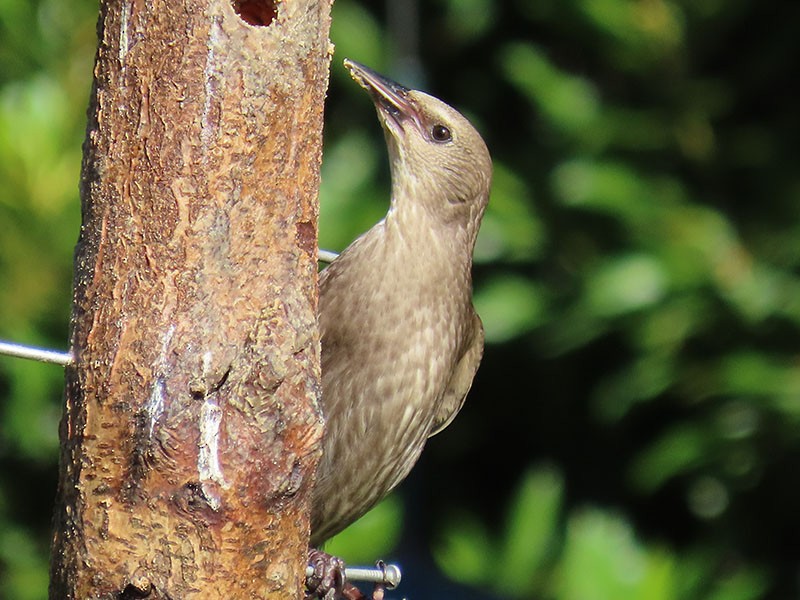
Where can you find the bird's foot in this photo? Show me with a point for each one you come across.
(326, 578)
(327, 582)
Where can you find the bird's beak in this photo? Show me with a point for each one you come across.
(390, 97)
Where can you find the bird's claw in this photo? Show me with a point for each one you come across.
(328, 579)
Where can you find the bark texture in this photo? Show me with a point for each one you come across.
(191, 429)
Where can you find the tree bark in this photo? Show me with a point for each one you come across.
(191, 429)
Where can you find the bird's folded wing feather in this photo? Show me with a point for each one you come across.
(461, 380)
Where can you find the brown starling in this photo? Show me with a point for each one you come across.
(400, 338)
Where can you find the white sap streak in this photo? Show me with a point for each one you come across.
(207, 356)
(155, 404)
(208, 467)
(123, 31)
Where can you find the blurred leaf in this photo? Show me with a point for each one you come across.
(608, 187)
(25, 575)
(508, 306)
(356, 35)
(570, 328)
(350, 203)
(666, 326)
(753, 373)
(637, 382)
(569, 103)
(374, 534)
(469, 18)
(679, 449)
(743, 585)
(464, 551)
(29, 419)
(603, 561)
(510, 229)
(653, 27)
(708, 497)
(531, 532)
(625, 284)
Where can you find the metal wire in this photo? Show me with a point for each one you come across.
(33, 353)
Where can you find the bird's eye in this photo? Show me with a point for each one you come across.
(440, 133)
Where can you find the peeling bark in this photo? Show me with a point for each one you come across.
(191, 429)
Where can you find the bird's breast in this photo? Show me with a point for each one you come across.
(392, 331)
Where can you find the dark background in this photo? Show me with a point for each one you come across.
(634, 429)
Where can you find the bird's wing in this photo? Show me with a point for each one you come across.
(461, 380)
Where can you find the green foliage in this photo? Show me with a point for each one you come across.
(638, 275)
(594, 555)
(25, 576)
(374, 534)
(518, 561)
(509, 305)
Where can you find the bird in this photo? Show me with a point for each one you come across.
(401, 341)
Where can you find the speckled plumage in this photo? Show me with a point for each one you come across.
(400, 339)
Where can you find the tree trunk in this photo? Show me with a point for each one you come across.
(191, 430)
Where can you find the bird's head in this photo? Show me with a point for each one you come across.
(437, 156)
